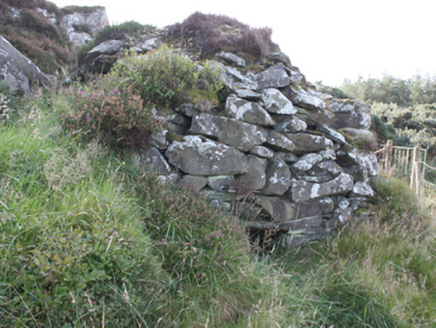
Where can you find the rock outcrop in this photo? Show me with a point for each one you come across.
(81, 23)
(17, 70)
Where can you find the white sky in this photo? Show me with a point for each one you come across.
(329, 40)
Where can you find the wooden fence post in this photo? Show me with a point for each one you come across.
(388, 159)
(414, 177)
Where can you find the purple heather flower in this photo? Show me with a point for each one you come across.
(88, 117)
(116, 90)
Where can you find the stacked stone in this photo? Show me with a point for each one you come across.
(276, 140)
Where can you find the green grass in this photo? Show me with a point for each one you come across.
(88, 239)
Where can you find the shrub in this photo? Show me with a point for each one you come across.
(214, 33)
(162, 76)
(119, 119)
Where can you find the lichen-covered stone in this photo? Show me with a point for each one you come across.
(275, 102)
(232, 59)
(222, 183)
(278, 209)
(262, 151)
(306, 99)
(278, 142)
(273, 77)
(255, 177)
(247, 111)
(193, 183)
(314, 207)
(307, 143)
(278, 178)
(238, 134)
(303, 190)
(291, 125)
(18, 70)
(306, 162)
(362, 189)
(152, 159)
(323, 172)
(332, 134)
(197, 155)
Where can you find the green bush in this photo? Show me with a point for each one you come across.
(163, 77)
(119, 119)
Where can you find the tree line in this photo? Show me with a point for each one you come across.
(390, 89)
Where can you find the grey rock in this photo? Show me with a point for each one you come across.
(221, 195)
(225, 183)
(255, 177)
(278, 178)
(299, 224)
(153, 159)
(18, 70)
(169, 179)
(303, 191)
(291, 125)
(278, 209)
(307, 143)
(273, 77)
(306, 162)
(278, 142)
(159, 140)
(247, 111)
(362, 189)
(307, 99)
(326, 169)
(187, 109)
(288, 158)
(359, 172)
(240, 135)
(231, 59)
(197, 155)
(193, 183)
(262, 151)
(147, 45)
(248, 94)
(275, 102)
(332, 134)
(292, 240)
(94, 20)
(315, 207)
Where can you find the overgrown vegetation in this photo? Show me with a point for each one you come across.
(114, 32)
(88, 239)
(214, 33)
(164, 77)
(34, 35)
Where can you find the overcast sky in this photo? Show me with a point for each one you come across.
(329, 40)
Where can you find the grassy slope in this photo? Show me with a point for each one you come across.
(88, 239)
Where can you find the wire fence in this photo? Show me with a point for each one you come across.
(409, 162)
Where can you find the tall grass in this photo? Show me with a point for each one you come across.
(88, 239)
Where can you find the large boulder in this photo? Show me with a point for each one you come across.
(197, 155)
(235, 133)
(18, 70)
(308, 143)
(273, 77)
(303, 191)
(247, 111)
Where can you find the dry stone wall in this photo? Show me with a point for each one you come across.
(277, 152)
